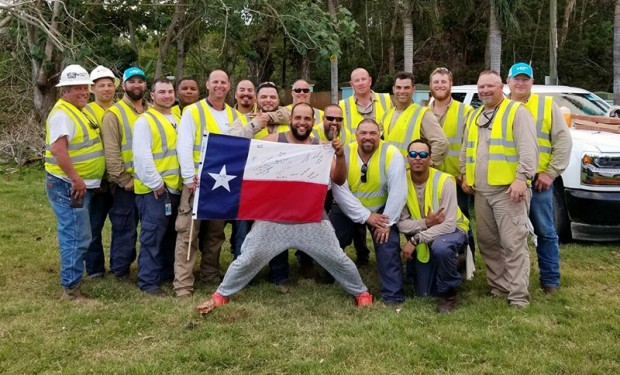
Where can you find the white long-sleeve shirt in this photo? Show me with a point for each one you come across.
(397, 194)
(144, 164)
(185, 138)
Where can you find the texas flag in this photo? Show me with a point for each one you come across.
(257, 180)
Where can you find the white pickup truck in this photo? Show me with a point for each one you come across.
(587, 194)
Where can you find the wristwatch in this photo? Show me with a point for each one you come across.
(413, 240)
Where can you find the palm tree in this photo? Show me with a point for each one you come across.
(617, 54)
(502, 15)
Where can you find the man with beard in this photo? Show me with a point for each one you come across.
(373, 196)
(498, 161)
(300, 92)
(188, 93)
(74, 165)
(212, 115)
(245, 98)
(408, 121)
(435, 227)
(259, 127)
(104, 88)
(117, 136)
(267, 239)
(157, 186)
(452, 116)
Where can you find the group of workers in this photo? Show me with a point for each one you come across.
(399, 168)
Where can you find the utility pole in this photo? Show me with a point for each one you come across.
(553, 42)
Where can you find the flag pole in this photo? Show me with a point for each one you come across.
(191, 235)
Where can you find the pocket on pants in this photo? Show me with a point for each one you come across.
(148, 234)
(522, 225)
(186, 204)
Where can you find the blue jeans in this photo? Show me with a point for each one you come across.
(124, 218)
(73, 230)
(388, 254)
(157, 239)
(240, 229)
(548, 250)
(463, 203)
(439, 274)
(100, 205)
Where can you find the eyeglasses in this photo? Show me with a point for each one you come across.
(305, 91)
(333, 118)
(364, 171)
(421, 154)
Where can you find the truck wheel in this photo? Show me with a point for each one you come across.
(562, 222)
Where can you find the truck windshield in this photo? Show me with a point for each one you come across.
(583, 104)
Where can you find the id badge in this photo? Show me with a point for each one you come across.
(168, 207)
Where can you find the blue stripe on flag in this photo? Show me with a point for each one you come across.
(223, 166)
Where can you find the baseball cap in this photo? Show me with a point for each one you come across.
(521, 68)
(133, 72)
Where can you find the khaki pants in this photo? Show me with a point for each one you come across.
(502, 228)
(212, 237)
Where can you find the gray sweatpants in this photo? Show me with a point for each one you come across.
(268, 239)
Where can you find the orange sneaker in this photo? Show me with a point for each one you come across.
(364, 299)
(215, 301)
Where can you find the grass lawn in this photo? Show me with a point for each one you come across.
(314, 329)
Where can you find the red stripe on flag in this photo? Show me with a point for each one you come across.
(283, 201)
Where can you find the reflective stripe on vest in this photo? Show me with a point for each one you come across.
(538, 105)
(204, 121)
(373, 193)
(163, 148)
(85, 149)
(503, 157)
(352, 117)
(453, 127)
(126, 118)
(406, 129)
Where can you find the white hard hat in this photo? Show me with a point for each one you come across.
(74, 75)
(103, 72)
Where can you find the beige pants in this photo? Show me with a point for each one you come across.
(502, 228)
(211, 236)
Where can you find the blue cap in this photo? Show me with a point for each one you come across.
(132, 72)
(521, 68)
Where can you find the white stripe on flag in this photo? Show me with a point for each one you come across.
(289, 162)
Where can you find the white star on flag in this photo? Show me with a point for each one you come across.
(222, 179)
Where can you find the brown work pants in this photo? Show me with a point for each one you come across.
(502, 228)
(212, 237)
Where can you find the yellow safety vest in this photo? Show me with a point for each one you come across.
(374, 192)
(541, 110)
(94, 112)
(318, 131)
(406, 129)
(176, 110)
(352, 117)
(453, 127)
(204, 121)
(503, 157)
(318, 114)
(432, 199)
(164, 149)
(126, 116)
(245, 119)
(85, 149)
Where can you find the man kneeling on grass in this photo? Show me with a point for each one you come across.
(268, 239)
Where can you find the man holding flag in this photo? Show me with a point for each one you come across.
(309, 232)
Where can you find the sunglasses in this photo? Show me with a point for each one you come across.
(305, 91)
(421, 154)
(333, 118)
(364, 171)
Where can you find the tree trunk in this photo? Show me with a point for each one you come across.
(408, 40)
(182, 31)
(570, 5)
(332, 5)
(553, 42)
(391, 52)
(495, 40)
(617, 54)
(164, 44)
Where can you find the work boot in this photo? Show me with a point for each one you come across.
(74, 294)
(215, 301)
(447, 301)
(363, 299)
